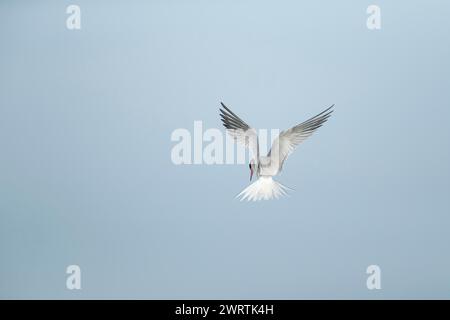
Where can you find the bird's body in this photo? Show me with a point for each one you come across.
(265, 167)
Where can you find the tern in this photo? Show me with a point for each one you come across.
(265, 167)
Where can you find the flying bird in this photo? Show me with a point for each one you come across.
(265, 167)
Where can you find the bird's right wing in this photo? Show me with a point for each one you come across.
(288, 140)
(240, 131)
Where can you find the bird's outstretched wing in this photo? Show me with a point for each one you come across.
(240, 130)
(286, 142)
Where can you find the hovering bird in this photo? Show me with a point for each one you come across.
(265, 167)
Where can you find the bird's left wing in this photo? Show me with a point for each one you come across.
(239, 130)
(286, 142)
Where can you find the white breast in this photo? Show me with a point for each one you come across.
(267, 167)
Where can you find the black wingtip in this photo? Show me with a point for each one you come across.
(228, 110)
(224, 107)
(327, 112)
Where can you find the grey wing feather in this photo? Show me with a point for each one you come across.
(286, 142)
(231, 120)
(239, 130)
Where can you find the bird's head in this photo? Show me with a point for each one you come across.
(251, 166)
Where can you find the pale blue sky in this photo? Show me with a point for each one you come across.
(85, 170)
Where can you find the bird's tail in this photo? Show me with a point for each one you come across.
(265, 188)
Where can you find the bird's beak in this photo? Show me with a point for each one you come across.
(251, 174)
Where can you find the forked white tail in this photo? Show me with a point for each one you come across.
(265, 188)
